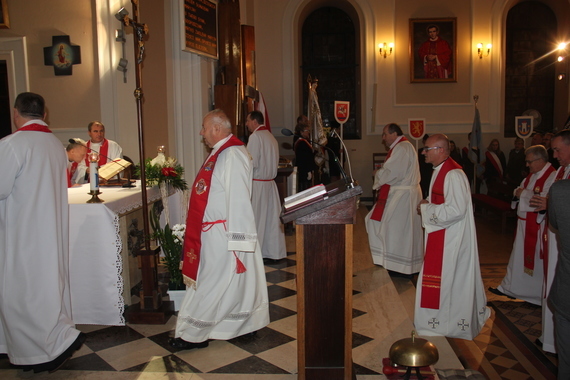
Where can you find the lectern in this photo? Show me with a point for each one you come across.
(324, 282)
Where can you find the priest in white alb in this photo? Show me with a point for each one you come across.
(525, 272)
(36, 327)
(450, 297)
(222, 267)
(107, 149)
(393, 225)
(264, 151)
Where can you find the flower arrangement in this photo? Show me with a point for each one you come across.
(171, 241)
(165, 170)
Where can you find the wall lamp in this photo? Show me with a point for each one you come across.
(481, 52)
(386, 49)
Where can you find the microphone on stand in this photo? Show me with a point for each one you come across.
(128, 183)
(347, 179)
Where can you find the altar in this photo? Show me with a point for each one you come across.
(101, 265)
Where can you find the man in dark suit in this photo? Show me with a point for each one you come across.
(559, 216)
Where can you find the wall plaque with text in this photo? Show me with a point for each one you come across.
(200, 27)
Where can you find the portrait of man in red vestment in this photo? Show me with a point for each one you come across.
(432, 50)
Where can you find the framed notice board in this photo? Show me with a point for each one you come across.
(200, 27)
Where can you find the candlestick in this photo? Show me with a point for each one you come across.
(93, 171)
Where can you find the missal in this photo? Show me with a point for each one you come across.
(304, 197)
(113, 168)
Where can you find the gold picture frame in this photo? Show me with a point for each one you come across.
(429, 36)
(4, 17)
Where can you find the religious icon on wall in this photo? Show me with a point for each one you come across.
(62, 55)
(4, 17)
(433, 50)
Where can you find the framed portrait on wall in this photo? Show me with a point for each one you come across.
(4, 17)
(433, 50)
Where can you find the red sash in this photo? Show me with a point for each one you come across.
(261, 128)
(531, 225)
(433, 260)
(35, 127)
(383, 191)
(195, 219)
(103, 153)
(494, 159)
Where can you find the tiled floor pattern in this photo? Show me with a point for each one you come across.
(382, 313)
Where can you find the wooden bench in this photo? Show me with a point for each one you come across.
(498, 206)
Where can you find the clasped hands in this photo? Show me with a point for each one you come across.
(422, 202)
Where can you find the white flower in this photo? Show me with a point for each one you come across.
(158, 160)
(178, 231)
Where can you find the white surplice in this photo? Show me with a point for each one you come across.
(35, 301)
(517, 283)
(226, 304)
(396, 242)
(265, 196)
(547, 338)
(462, 311)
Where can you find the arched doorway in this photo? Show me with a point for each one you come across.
(531, 35)
(330, 51)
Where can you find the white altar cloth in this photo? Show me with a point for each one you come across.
(95, 252)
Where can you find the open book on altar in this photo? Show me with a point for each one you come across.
(113, 168)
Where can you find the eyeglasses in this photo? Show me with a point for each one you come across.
(531, 161)
(425, 149)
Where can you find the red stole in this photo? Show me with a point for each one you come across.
(70, 172)
(494, 159)
(531, 226)
(261, 128)
(195, 219)
(35, 127)
(560, 173)
(433, 260)
(383, 191)
(103, 153)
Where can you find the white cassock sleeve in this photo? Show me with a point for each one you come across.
(456, 194)
(9, 167)
(240, 221)
(394, 169)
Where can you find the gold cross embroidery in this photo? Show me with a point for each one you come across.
(191, 255)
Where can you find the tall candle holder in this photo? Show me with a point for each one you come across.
(94, 178)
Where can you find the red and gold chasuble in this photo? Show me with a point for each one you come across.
(531, 225)
(195, 220)
(383, 191)
(103, 153)
(433, 260)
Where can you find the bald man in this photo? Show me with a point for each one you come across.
(223, 269)
(450, 297)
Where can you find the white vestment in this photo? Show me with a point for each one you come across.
(462, 309)
(396, 242)
(547, 338)
(517, 283)
(114, 151)
(265, 197)
(76, 177)
(35, 301)
(226, 304)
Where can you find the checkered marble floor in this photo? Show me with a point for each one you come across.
(383, 310)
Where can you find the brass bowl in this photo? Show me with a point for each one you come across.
(413, 352)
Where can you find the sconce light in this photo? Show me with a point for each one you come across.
(121, 13)
(122, 66)
(481, 52)
(120, 36)
(561, 76)
(386, 49)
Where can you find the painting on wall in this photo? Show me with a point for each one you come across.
(62, 55)
(4, 18)
(433, 50)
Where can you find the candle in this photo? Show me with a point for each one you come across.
(93, 171)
